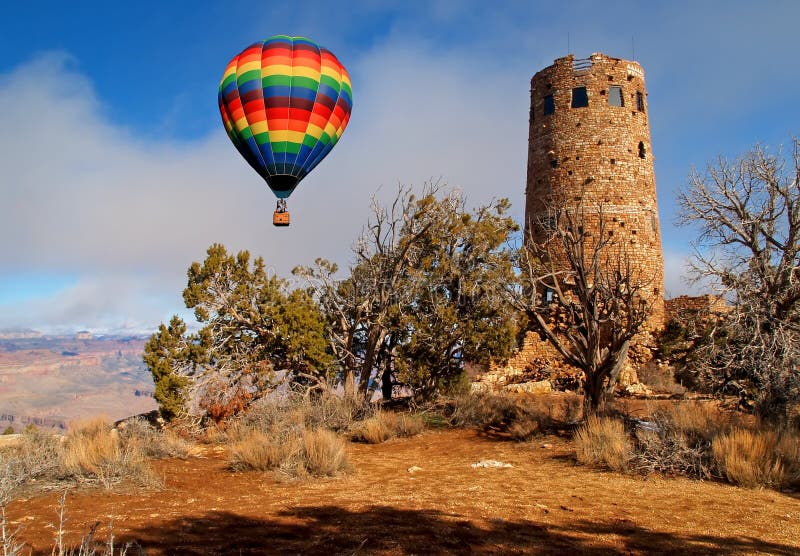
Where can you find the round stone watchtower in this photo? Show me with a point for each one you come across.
(589, 143)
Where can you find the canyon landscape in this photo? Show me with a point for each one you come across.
(50, 381)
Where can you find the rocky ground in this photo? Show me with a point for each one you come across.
(544, 503)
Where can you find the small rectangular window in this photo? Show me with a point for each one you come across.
(549, 105)
(639, 101)
(580, 98)
(615, 96)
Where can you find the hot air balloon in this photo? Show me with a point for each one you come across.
(285, 102)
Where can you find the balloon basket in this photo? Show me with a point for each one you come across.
(280, 218)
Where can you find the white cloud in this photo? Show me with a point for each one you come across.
(86, 197)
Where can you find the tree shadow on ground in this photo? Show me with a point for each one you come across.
(332, 530)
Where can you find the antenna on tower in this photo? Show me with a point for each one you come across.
(633, 49)
(568, 51)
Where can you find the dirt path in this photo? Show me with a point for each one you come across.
(544, 504)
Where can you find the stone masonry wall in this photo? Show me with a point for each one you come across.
(599, 155)
(683, 307)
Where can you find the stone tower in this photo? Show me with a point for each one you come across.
(589, 139)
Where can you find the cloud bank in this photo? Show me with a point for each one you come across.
(126, 217)
(439, 93)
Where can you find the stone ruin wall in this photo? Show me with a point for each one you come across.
(686, 307)
(538, 362)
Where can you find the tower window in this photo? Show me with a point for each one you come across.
(549, 105)
(580, 98)
(639, 101)
(642, 151)
(615, 96)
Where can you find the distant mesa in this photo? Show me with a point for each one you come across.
(84, 335)
(19, 333)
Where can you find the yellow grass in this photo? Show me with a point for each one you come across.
(94, 451)
(259, 452)
(90, 446)
(602, 442)
(324, 453)
(378, 428)
(758, 458)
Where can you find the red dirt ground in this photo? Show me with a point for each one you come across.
(545, 504)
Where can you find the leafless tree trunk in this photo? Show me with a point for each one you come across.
(362, 306)
(582, 293)
(748, 213)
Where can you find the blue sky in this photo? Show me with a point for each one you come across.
(116, 173)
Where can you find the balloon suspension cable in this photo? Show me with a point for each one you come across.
(281, 206)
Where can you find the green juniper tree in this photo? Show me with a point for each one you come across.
(256, 333)
(423, 296)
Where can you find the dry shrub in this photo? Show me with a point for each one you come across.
(93, 452)
(316, 452)
(566, 409)
(334, 412)
(378, 428)
(522, 417)
(409, 425)
(602, 442)
(483, 410)
(660, 380)
(258, 452)
(323, 453)
(758, 458)
(40, 455)
(678, 441)
(672, 453)
(152, 442)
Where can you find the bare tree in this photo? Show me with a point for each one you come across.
(361, 308)
(748, 212)
(582, 293)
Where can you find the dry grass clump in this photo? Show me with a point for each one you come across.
(334, 412)
(521, 417)
(756, 458)
(378, 428)
(384, 425)
(678, 441)
(602, 442)
(323, 453)
(259, 452)
(93, 452)
(316, 452)
(701, 419)
(481, 410)
(409, 425)
(153, 443)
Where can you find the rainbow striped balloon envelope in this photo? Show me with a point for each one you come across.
(285, 102)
